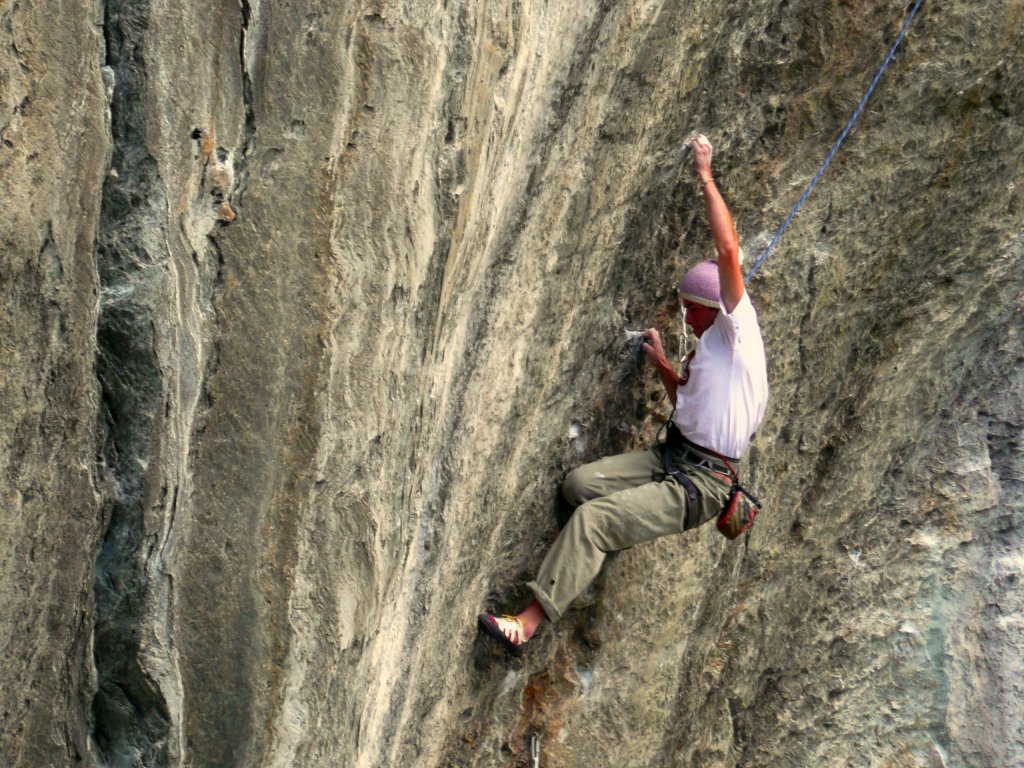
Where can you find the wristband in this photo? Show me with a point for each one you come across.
(705, 183)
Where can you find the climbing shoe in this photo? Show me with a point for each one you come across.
(507, 630)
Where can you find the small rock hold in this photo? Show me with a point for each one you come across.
(225, 214)
(220, 178)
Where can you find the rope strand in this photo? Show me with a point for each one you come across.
(835, 147)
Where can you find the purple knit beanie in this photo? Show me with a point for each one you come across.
(700, 284)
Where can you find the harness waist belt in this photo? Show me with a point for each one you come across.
(694, 454)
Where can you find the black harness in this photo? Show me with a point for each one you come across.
(677, 452)
(740, 508)
(687, 452)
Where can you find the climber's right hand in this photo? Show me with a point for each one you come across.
(652, 345)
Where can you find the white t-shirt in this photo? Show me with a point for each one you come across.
(723, 402)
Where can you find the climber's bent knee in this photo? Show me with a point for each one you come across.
(578, 486)
(611, 475)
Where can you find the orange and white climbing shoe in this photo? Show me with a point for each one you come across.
(507, 630)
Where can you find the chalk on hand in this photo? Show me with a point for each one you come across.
(684, 150)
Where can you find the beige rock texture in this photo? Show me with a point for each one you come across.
(308, 308)
(54, 150)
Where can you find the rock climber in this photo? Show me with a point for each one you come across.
(719, 400)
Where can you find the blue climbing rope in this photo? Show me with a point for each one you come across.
(835, 147)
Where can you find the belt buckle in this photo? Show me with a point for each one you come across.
(700, 461)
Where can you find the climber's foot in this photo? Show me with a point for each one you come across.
(507, 630)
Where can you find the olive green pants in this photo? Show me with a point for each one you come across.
(620, 501)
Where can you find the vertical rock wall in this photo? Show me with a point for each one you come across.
(54, 145)
(308, 313)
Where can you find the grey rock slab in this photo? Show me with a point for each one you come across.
(53, 155)
(321, 343)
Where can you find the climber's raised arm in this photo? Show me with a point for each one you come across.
(730, 277)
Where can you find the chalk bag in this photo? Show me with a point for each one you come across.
(738, 512)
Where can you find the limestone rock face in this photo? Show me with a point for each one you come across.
(309, 307)
(54, 148)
